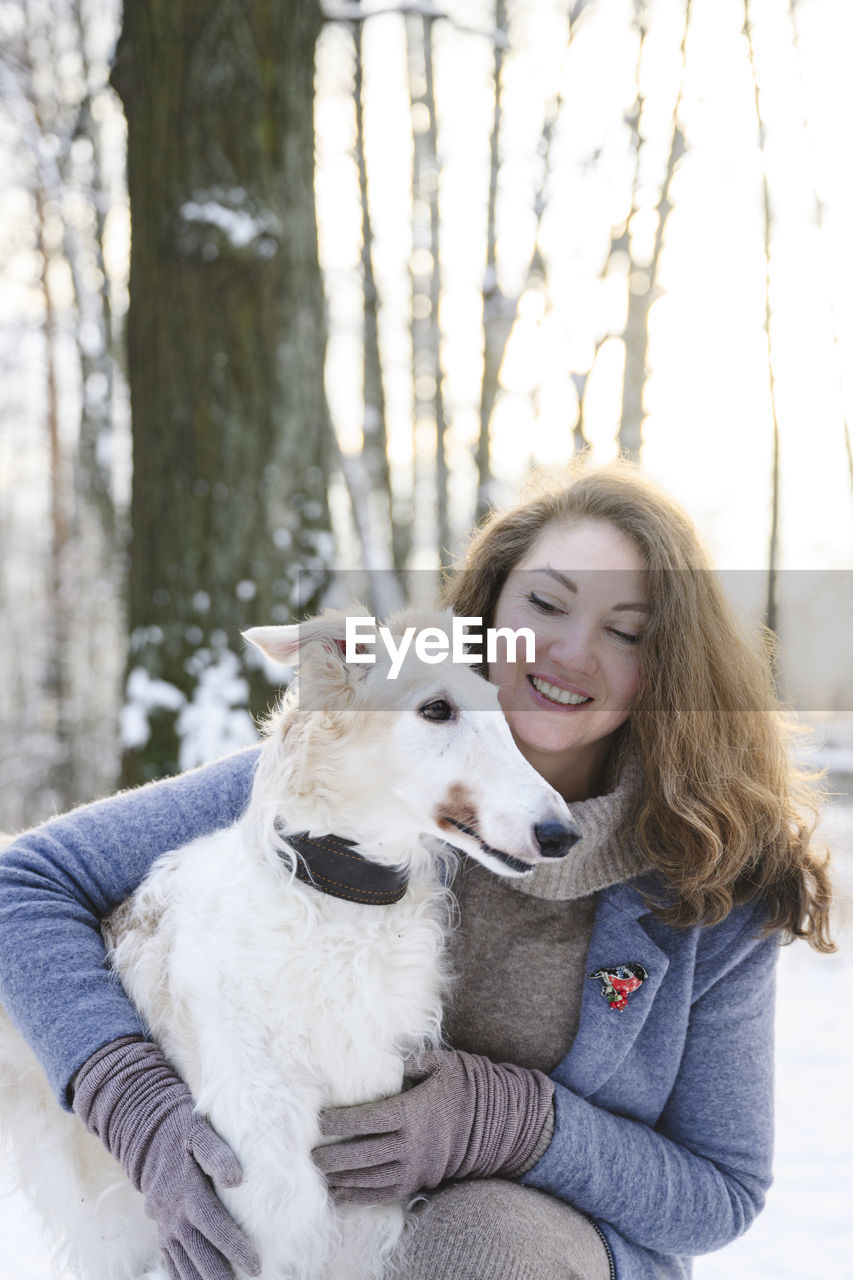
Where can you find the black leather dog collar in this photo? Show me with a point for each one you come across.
(329, 863)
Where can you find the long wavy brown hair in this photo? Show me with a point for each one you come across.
(723, 812)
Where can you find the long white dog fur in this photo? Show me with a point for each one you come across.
(271, 999)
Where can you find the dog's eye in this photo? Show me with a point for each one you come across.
(437, 709)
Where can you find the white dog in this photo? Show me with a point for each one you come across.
(274, 999)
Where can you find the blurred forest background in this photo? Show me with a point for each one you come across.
(385, 257)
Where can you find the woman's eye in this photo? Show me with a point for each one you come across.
(438, 709)
(626, 636)
(542, 605)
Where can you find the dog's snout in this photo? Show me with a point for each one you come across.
(555, 839)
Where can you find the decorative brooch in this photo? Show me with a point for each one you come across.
(618, 983)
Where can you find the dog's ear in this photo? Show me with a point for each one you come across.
(287, 645)
(281, 644)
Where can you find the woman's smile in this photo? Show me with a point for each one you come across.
(554, 692)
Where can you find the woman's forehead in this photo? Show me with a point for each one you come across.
(584, 546)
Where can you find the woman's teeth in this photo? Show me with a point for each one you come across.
(554, 694)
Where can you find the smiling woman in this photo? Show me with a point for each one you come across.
(632, 616)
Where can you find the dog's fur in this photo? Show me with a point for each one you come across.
(273, 1000)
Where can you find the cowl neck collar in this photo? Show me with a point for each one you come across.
(604, 855)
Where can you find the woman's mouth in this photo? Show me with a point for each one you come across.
(553, 693)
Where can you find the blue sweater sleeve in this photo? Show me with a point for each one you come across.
(59, 880)
(696, 1178)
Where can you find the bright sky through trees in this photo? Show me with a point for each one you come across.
(707, 433)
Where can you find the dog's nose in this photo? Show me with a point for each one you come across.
(555, 839)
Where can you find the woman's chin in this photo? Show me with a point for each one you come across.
(541, 730)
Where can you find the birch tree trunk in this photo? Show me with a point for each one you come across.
(634, 333)
(384, 539)
(498, 310)
(430, 482)
(98, 357)
(819, 206)
(643, 285)
(770, 608)
(57, 673)
(226, 343)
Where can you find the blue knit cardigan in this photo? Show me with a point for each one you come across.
(663, 1131)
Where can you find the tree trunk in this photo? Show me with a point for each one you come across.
(819, 205)
(226, 344)
(384, 539)
(57, 672)
(770, 608)
(634, 333)
(498, 310)
(430, 499)
(644, 287)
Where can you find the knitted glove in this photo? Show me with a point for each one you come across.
(463, 1117)
(129, 1097)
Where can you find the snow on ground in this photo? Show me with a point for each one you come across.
(806, 1230)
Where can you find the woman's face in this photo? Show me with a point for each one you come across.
(582, 590)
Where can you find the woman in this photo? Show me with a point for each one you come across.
(629, 987)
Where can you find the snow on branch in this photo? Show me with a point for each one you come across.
(352, 11)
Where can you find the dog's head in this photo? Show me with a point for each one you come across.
(411, 743)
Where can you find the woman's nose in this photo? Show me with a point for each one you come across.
(574, 650)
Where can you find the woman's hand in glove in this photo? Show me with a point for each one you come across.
(463, 1116)
(130, 1097)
